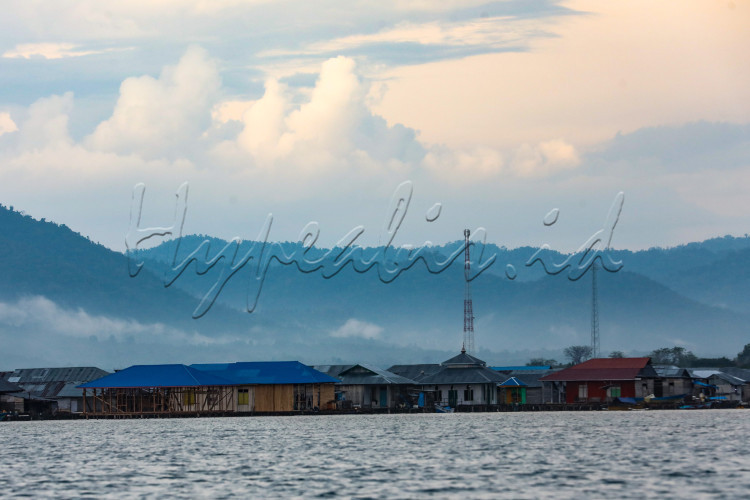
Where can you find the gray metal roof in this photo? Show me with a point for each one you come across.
(8, 387)
(670, 371)
(68, 374)
(52, 390)
(415, 372)
(53, 383)
(463, 359)
(362, 374)
(728, 378)
(702, 372)
(70, 390)
(473, 375)
(741, 373)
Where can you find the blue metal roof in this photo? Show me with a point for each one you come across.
(512, 382)
(212, 374)
(266, 372)
(157, 376)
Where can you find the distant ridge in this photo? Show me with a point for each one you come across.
(67, 300)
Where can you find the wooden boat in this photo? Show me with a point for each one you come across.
(443, 409)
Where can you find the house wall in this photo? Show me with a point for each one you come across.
(236, 406)
(724, 388)
(274, 398)
(676, 386)
(369, 396)
(643, 388)
(270, 398)
(63, 404)
(534, 395)
(596, 391)
(327, 395)
(483, 393)
(354, 393)
(553, 392)
(11, 403)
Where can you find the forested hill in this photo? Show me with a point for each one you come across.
(66, 300)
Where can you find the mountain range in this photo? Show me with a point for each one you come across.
(65, 300)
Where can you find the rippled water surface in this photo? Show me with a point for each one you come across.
(655, 454)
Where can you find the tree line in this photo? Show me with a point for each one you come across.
(678, 356)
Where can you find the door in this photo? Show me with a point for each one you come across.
(383, 397)
(658, 388)
(452, 398)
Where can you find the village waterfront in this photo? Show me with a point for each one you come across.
(637, 454)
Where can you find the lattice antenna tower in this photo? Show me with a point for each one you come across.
(468, 307)
(594, 313)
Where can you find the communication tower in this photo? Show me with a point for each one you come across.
(468, 307)
(594, 314)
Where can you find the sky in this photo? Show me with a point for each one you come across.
(495, 112)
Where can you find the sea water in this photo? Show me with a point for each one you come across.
(646, 454)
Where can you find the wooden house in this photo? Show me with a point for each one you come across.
(672, 381)
(713, 384)
(49, 391)
(535, 391)
(742, 374)
(206, 389)
(460, 380)
(366, 386)
(603, 379)
(513, 391)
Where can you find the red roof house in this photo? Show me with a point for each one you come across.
(603, 379)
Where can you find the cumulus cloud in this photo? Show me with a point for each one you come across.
(332, 130)
(356, 328)
(158, 116)
(7, 124)
(47, 123)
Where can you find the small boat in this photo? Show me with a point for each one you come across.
(443, 409)
(666, 399)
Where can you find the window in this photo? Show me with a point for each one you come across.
(583, 391)
(468, 394)
(614, 392)
(243, 397)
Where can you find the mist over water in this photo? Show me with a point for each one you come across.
(654, 454)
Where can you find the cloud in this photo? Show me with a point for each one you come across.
(465, 165)
(42, 314)
(47, 123)
(48, 51)
(685, 148)
(321, 148)
(332, 130)
(545, 158)
(599, 74)
(356, 328)
(449, 39)
(164, 116)
(7, 125)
